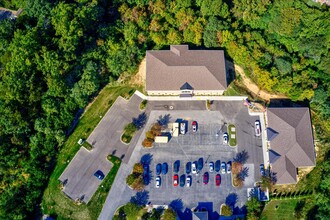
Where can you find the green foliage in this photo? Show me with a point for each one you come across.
(129, 131)
(226, 210)
(169, 214)
(253, 207)
(131, 209)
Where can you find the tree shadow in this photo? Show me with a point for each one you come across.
(113, 152)
(241, 157)
(231, 200)
(140, 198)
(176, 205)
(146, 159)
(140, 121)
(164, 120)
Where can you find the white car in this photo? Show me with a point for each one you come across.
(211, 167)
(158, 182)
(193, 168)
(225, 138)
(229, 167)
(182, 127)
(257, 128)
(223, 167)
(188, 181)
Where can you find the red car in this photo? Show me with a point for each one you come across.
(206, 178)
(175, 180)
(194, 126)
(217, 180)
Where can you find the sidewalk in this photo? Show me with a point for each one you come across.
(193, 98)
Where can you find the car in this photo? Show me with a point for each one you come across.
(225, 138)
(188, 181)
(182, 128)
(194, 167)
(211, 167)
(257, 128)
(158, 181)
(229, 167)
(182, 180)
(217, 180)
(194, 126)
(206, 178)
(176, 166)
(175, 180)
(262, 169)
(200, 164)
(164, 168)
(223, 167)
(188, 168)
(158, 169)
(99, 174)
(217, 165)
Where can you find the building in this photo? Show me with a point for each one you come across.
(184, 72)
(290, 139)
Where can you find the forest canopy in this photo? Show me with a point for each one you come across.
(58, 54)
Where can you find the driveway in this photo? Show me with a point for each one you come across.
(205, 143)
(78, 178)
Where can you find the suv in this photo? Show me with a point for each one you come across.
(223, 167)
(257, 128)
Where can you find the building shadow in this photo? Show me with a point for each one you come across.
(287, 103)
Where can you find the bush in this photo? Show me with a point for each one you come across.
(147, 142)
(169, 214)
(150, 135)
(131, 209)
(226, 210)
(143, 104)
(236, 167)
(130, 179)
(138, 183)
(138, 168)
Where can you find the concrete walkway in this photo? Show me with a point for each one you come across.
(193, 98)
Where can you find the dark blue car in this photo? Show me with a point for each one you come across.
(158, 169)
(164, 168)
(188, 168)
(176, 166)
(200, 164)
(99, 174)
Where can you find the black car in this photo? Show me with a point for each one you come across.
(176, 166)
(164, 168)
(217, 165)
(182, 180)
(158, 168)
(200, 164)
(99, 174)
(188, 167)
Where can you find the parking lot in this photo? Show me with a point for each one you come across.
(206, 143)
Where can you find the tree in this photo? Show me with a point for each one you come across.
(226, 210)
(253, 208)
(169, 214)
(131, 209)
(141, 198)
(138, 168)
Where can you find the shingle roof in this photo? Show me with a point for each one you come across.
(170, 69)
(293, 142)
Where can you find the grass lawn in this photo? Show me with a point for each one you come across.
(54, 202)
(232, 141)
(129, 132)
(280, 209)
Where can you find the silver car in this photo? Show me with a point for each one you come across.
(182, 127)
(211, 167)
(158, 182)
(188, 181)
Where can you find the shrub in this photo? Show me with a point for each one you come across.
(156, 129)
(138, 168)
(130, 179)
(131, 209)
(138, 183)
(226, 210)
(147, 142)
(236, 167)
(169, 214)
(150, 135)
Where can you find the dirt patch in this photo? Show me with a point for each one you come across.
(251, 86)
(140, 77)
